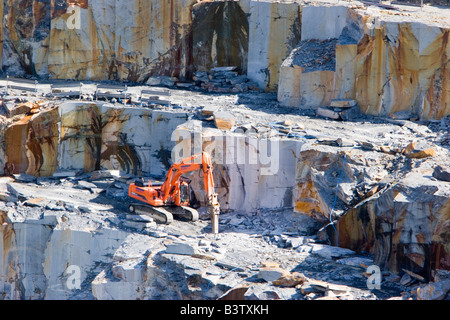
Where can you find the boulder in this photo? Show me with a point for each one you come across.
(17, 109)
(290, 280)
(271, 273)
(223, 120)
(342, 103)
(433, 290)
(161, 81)
(442, 173)
(182, 248)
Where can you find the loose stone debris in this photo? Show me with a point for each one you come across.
(224, 79)
(261, 256)
(352, 191)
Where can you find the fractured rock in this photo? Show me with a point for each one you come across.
(433, 290)
(356, 262)
(271, 274)
(139, 218)
(138, 225)
(442, 173)
(329, 252)
(328, 113)
(223, 120)
(236, 293)
(418, 198)
(23, 177)
(348, 112)
(161, 81)
(209, 110)
(86, 185)
(290, 280)
(415, 151)
(422, 154)
(182, 248)
(23, 108)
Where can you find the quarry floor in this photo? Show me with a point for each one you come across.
(248, 247)
(231, 259)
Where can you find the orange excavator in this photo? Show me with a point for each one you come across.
(173, 197)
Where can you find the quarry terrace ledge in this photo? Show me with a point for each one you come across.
(387, 58)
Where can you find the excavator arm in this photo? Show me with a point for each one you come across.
(158, 197)
(171, 186)
(187, 165)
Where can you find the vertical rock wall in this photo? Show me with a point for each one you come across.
(83, 137)
(155, 38)
(220, 35)
(97, 40)
(274, 31)
(250, 173)
(132, 40)
(36, 254)
(406, 226)
(406, 65)
(387, 63)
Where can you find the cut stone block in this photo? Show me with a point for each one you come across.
(328, 113)
(342, 103)
(223, 120)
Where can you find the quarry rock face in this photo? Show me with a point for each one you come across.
(84, 137)
(405, 225)
(399, 219)
(137, 140)
(380, 199)
(98, 40)
(387, 63)
(313, 189)
(274, 31)
(245, 174)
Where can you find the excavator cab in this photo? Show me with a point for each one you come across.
(185, 191)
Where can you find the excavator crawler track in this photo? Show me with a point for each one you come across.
(161, 215)
(184, 213)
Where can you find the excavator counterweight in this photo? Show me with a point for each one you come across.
(173, 197)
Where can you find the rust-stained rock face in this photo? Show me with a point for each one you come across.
(387, 63)
(407, 73)
(25, 33)
(274, 31)
(80, 137)
(318, 171)
(116, 152)
(97, 40)
(137, 140)
(402, 221)
(15, 139)
(42, 144)
(405, 226)
(84, 136)
(155, 39)
(80, 44)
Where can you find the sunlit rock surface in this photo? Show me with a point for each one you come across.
(85, 136)
(386, 62)
(406, 225)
